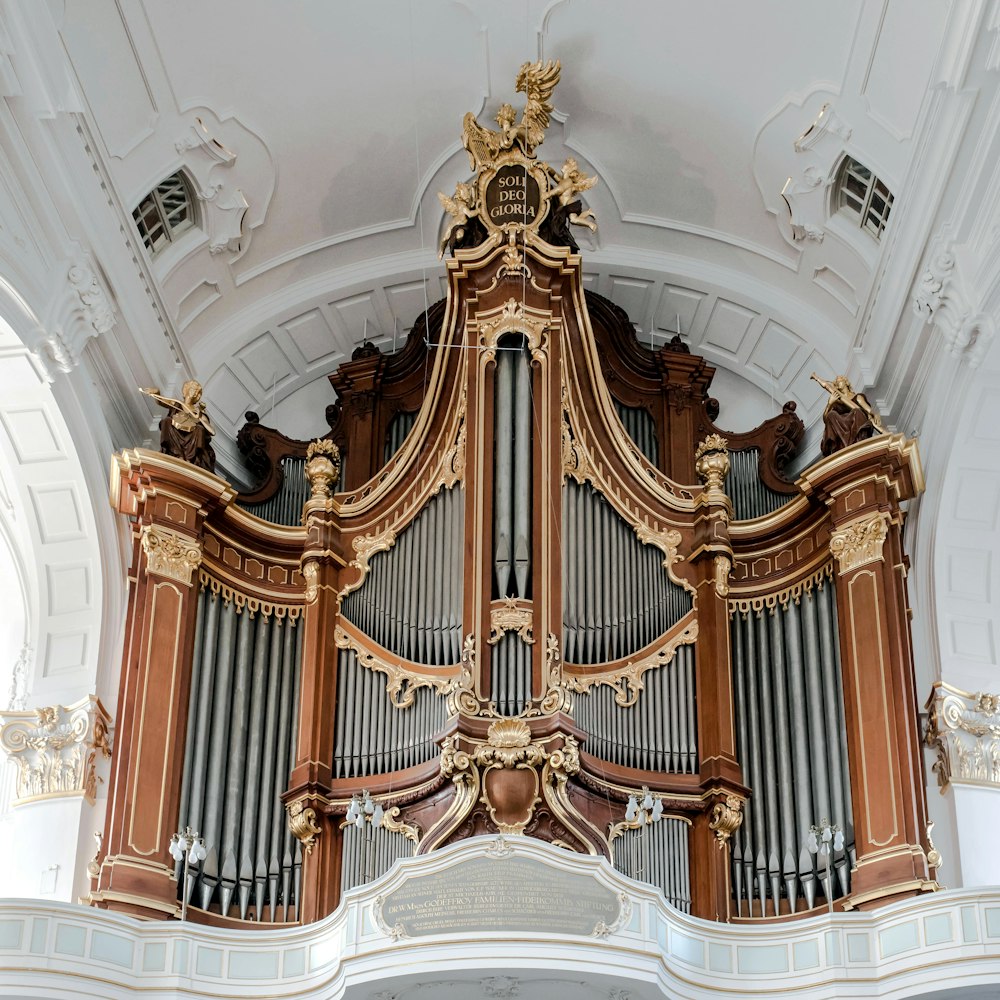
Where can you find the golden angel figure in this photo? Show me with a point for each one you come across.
(848, 416)
(568, 185)
(185, 430)
(461, 208)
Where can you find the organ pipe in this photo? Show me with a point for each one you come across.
(617, 597)
(658, 854)
(751, 497)
(371, 735)
(411, 600)
(658, 732)
(369, 852)
(641, 428)
(791, 744)
(241, 730)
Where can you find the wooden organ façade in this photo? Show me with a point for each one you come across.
(524, 584)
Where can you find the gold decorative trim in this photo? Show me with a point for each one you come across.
(462, 698)
(667, 542)
(723, 567)
(453, 462)
(726, 819)
(575, 462)
(511, 618)
(55, 749)
(269, 609)
(556, 697)
(513, 318)
(401, 684)
(170, 553)
(365, 546)
(781, 598)
(628, 681)
(302, 823)
(859, 543)
(310, 573)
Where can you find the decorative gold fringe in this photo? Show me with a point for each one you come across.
(253, 605)
(780, 598)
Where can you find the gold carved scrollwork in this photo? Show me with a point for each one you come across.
(365, 546)
(667, 542)
(726, 819)
(859, 543)
(56, 747)
(170, 553)
(453, 464)
(513, 318)
(574, 457)
(462, 698)
(510, 618)
(723, 567)
(302, 823)
(556, 697)
(628, 681)
(401, 684)
(310, 573)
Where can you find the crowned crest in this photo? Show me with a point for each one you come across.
(512, 189)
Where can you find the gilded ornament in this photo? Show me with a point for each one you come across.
(628, 680)
(310, 573)
(569, 184)
(712, 462)
(401, 684)
(322, 468)
(460, 207)
(934, 859)
(513, 318)
(170, 553)
(185, 431)
(536, 81)
(668, 543)
(510, 618)
(848, 416)
(723, 567)
(726, 819)
(302, 823)
(366, 546)
(859, 543)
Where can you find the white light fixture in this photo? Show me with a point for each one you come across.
(363, 807)
(823, 841)
(187, 846)
(644, 810)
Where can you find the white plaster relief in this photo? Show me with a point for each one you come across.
(963, 728)
(943, 297)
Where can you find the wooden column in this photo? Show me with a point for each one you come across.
(863, 486)
(309, 785)
(169, 500)
(721, 776)
(357, 383)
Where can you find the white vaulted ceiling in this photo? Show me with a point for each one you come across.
(345, 121)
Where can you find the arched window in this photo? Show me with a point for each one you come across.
(862, 196)
(165, 213)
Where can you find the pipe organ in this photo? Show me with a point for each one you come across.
(523, 580)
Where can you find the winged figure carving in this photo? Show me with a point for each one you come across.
(461, 208)
(536, 81)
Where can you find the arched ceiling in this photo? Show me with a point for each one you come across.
(341, 122)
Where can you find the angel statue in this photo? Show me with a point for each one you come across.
(536, 81)
(185, 430)
(848, 417)
(568, 185)
(461, 208)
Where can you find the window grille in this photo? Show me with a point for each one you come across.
(165, 213)
(861, 195)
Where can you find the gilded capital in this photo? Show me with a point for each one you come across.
(170, 553)
(56, 747)
(860, 542)
(322, 468)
